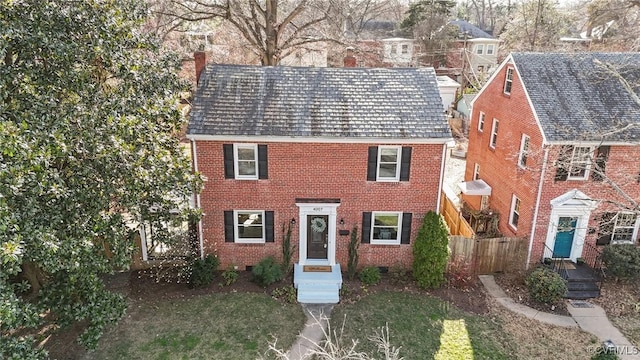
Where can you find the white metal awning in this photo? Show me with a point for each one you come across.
(475, 187)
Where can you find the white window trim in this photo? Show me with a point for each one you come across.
(521, 154)
(240, 240)
(493, 140)
(396, 178)
(236, 167)
(634, 234)
(508, 79)
(481, 118)
(480, 49)
(490, 46)
(476, 171)
(587, 167)
(512, 211)
(386, 242)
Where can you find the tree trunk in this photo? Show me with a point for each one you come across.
(270, 56)
(34, 275)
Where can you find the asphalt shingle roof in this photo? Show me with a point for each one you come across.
(318, 102)
(472, 31)
(576, 99)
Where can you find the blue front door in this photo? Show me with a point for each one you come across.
(564, 237)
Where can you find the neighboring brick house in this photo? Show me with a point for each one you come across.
(555, 140)
(323, 149)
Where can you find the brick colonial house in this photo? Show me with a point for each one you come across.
(554, 148)
(322, 149)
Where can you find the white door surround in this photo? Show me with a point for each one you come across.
(573, 203)
(317, 208)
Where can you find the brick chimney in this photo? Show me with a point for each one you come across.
(200, 58)
(350, 60)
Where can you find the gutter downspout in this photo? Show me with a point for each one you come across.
(535, 212)
(194, 155)
(444, 158)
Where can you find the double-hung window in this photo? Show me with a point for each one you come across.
(490, 49)
(476, 171)
(524, 149)
(514, 215)
(624, 228)
(386, 227)
(580, 163)
(389, 163)
(249, 226)
(405, 49)
(480, 49)
(494, 134)
(508, 81)
(246, 161)
(481, 121)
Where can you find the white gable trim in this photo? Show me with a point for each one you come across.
(574, 198)
(326, 140)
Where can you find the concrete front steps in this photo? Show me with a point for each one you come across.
(582, 289)
(317, 287)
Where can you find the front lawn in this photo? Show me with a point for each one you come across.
(216, 326)
(425, 327)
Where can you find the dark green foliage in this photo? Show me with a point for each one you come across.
(203, 271)
(602, 353)
(369, 275)
(287, 294)
(425, 10)
(89, 125)
(287, 249)
(352, 264)
(266, 272)
(546, 286)
(431, 251)
(230, 276)
(622, 261)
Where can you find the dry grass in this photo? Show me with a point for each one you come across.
(535, 340)
(621, 301)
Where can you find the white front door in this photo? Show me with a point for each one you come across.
(317, 233)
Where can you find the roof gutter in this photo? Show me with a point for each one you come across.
(537, 208)
(309, 139)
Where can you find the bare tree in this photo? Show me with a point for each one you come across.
(272, 28)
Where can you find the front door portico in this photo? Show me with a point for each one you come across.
(317, 231)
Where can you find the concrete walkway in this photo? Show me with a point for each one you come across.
(313, 332)
(585, 315)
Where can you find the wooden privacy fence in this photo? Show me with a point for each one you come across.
(457, 224)
(487, 256)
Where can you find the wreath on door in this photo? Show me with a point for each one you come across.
(318, 224)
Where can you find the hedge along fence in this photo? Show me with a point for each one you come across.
(487, 256)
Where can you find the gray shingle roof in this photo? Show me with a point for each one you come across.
(318, 102)
(578, 100)
(472, 31)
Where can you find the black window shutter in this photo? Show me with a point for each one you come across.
(405, 166)
(562, 163)
(602, 154)
(406, 228)
(228, 161)
(366, 227)
(268, 226)
(263, 171)
(228, 226)
(372, 163)
(605, 231)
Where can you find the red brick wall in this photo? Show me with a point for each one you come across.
(499, 167)
(303, 170)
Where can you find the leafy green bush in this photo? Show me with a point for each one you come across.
(352, 265)
(431, 251)
(230, 276)
(203, 271)
(369, 275)
(546, 286)
(286, 293)
(622, 261)
(266, 272)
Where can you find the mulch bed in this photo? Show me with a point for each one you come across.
(514, 286)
